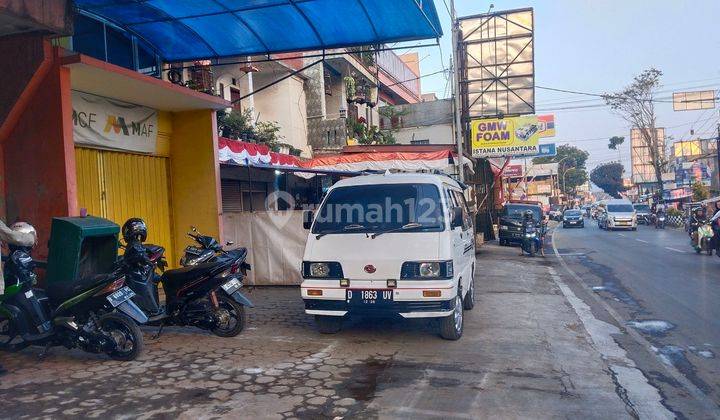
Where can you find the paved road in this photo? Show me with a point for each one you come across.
(530, 349)
(654, 275)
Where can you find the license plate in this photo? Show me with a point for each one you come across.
(119, 296)
(231, 286)
(369, 297)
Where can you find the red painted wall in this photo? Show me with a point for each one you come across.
(25, 54)
(39, 158)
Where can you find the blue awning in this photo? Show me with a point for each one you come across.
(184, 30)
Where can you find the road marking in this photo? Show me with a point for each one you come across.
(640, 240)
(674, 249)
(621, 234)
(693, 390)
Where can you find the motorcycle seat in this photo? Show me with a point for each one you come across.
(184, 274)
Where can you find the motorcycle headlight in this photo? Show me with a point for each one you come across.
(503, 227)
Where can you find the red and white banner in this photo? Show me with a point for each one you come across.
(253, 154)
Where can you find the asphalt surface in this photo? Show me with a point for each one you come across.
(530, 349)
(661, 288)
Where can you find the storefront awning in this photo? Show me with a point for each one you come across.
(381, 161)
(190, 30)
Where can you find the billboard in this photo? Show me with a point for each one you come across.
(686, 148)
(504, 137)
(513, 171)
(496, 63)
(692, 101)
(687, 173)
(547, 150)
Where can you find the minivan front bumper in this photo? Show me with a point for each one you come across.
(406, 309)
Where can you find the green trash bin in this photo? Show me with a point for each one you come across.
(80, 249)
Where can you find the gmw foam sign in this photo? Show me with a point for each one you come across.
(511, 136)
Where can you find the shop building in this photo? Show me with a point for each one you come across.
(86, 133)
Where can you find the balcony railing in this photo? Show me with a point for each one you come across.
(392, 64)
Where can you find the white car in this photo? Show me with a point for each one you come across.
(388, 245)
(619, 214)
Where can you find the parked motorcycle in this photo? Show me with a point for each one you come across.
(204, 295)
(701, 239)
(95, 314)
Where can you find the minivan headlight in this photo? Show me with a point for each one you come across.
(322, 270)
(426, 270)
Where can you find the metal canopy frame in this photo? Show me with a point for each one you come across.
(497, 72)
(193, 30)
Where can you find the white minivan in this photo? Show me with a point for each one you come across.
(619, 214)
(392, 244)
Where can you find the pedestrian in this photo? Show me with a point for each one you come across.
(19, 234)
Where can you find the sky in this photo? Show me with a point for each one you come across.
(599, 46)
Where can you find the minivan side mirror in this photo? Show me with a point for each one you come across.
(308, 217)
(456, 217)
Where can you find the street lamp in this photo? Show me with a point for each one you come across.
(558, 162)
(563, 180)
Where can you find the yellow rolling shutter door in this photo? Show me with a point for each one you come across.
(119, 186)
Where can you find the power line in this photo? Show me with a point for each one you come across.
(416, 78)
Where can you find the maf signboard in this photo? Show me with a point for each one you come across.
(496, 64)
(504, 137)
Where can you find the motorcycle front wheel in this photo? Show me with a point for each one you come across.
(230, 317)
(126, 334)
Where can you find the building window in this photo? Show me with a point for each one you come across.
(109, 43)
(424, 141)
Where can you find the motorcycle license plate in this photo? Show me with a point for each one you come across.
(119, 296)
(369, 297)
(231, 286)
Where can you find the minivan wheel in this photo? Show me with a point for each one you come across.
(328, 324)
(469, 300)
(451, 327)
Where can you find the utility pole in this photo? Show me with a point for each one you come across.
(717, 150)
(456, 91)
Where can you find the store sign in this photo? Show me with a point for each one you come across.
(513, 171)
(108, 123)
(512, 136)
(547, 150)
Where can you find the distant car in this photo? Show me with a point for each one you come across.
(618, 214)
(643, 213)
(511, 231)
(573, 218)
(556, 212)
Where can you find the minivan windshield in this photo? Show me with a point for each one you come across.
(620, 208)
(380, 207)
(516, 211)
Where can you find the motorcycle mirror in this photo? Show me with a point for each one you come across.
(193, 228)
(229, 243)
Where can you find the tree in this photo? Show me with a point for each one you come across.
(615, 141)
(268, 133)
(700, 191)
(608, 177)
(636, 105)
(572, 164)
(236, 124)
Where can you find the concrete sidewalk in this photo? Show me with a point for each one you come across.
(525, 352)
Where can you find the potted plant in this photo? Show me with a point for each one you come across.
(350, 89)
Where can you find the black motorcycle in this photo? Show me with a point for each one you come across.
(95, 314)
(205, 295)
